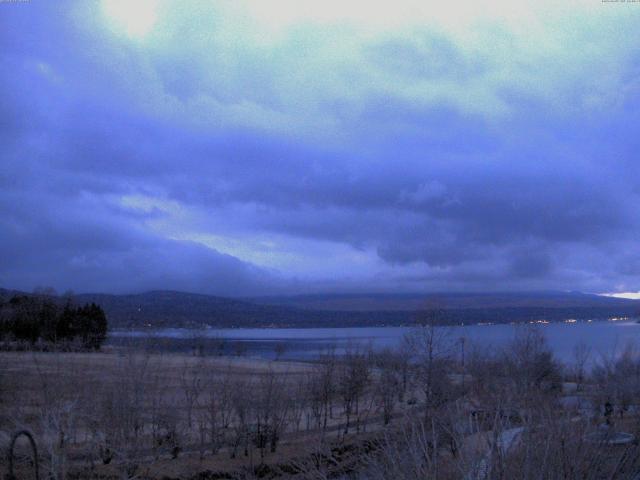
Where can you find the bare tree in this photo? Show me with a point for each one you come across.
(121, 413)
(618, 379)
(581, 356)
(271, 407)
(191, 385)
(241, 389)
(58, 413)
(431, 349)
(353, 377)
(280, 349)
(299, 404)
(219, 408)
(387, 384)
(322, 389)
(530, 369)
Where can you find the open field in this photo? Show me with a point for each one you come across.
(96, 412)
(416, 412)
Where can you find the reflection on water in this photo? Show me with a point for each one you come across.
(604, 338)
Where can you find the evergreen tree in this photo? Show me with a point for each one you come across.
(34, 318)
(94, 326)
(64, 324)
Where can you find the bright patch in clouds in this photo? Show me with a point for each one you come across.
(136, 18)
(281, 14)
(631, 295)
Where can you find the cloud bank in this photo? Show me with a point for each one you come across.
(235, 148)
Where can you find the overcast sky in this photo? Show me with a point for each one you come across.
(242, 148)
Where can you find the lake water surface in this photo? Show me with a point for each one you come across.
(603, 337)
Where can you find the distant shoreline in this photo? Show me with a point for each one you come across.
(306, 326)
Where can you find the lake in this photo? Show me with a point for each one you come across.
(603, 337)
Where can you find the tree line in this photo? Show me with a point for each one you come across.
(34, 319)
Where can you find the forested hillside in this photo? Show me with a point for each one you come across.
(168, 308)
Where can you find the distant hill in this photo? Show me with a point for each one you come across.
(180, 309)
(416, 301)
(183, 309)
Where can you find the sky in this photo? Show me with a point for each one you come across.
(253, 148)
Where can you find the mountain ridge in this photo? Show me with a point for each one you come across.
(168, 308)
(442, 300)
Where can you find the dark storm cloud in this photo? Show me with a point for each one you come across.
(201, 159)
(81, 245)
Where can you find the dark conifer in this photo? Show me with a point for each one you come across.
(39, 318)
